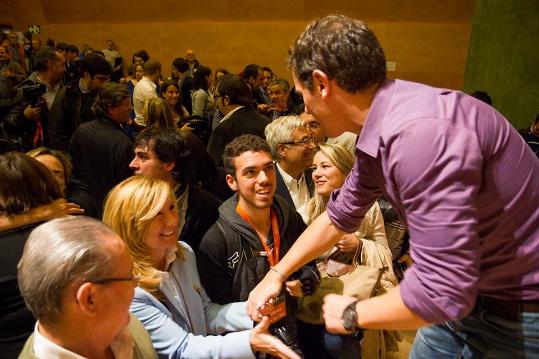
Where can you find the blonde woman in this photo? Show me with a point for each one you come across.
(170, 301)
(331, 165)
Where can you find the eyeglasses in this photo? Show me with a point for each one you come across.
(135, 279)
(303, 142)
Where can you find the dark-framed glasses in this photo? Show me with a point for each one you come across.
(303, 142)
(135, 279)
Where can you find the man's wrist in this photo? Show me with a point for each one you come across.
(278, 274)
(349, 317)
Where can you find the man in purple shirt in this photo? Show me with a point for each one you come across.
(462, 180)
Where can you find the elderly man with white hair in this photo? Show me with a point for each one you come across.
(292, 148)
(76, 277)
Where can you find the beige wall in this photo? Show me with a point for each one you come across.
(426, 38)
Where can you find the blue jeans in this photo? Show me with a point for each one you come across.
(479, 335)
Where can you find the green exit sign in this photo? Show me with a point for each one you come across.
(34, 29)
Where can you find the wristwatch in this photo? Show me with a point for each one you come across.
(349, 316)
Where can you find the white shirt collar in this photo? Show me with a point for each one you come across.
(122, 347)
(228, 115)
(287, 178)
(148, 81)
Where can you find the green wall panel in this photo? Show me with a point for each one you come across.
(503, 57)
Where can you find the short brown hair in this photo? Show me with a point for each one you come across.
(239, 145)
(26, 183)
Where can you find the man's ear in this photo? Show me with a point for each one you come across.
(86, 299)
(281, 150)
(231, 181)
(320, 83)
(169, 166)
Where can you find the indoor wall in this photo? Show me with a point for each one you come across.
(427, 39)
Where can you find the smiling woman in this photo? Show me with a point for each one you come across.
(142, 211)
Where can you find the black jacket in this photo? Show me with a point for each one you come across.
(101, 153)
(73, 110)
(228, 263)
(16, 321)
(202, 212)
(243, 121)
(282, 190)
(22, 130)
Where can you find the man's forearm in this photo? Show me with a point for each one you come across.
(319, 237)
(387, 312)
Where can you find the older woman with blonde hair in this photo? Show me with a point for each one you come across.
(367, 246)
(170, 301)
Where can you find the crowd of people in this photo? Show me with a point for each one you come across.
(216, 215)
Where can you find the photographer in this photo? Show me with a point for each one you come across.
(28, 119)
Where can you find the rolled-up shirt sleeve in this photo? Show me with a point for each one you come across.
(348, 205)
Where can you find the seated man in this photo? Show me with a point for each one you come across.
(292, 147)
(76, 276)
(233, 100)
(174, 157)
(254, 229)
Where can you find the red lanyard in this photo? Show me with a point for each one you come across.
(273, 255)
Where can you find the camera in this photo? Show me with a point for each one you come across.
(33, 93)
(281, 327)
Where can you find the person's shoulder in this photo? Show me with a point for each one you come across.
(204, 197)
(28, 349)
(142, 343)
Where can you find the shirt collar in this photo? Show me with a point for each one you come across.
(369, 138)
(150, 82)
(287, 179)
(122, 346)
(83, 88)
(228, 115)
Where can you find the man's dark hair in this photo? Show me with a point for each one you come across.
(42, 58)
(482, 96)
(111, 94)
(346, 50)
(281, 82)
(239, 145)
(200, 80)
(142, 54)
(235, 89)
(192, 163)
(34, 184)
(180, 64)
(95, 64)
(73, 48)
(62, 46)
(250, 70)
(151, 67)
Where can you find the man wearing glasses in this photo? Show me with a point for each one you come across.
(76, 277)
(75, 102)
(233, 99)
(292, 147)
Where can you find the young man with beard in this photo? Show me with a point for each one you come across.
(254, 230)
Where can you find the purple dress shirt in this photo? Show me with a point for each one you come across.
(466, 185)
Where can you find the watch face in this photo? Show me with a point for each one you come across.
(349, 316)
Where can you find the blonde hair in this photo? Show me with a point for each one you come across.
(280, 131)
(159, 113)
(129, 209)
(341, 158)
